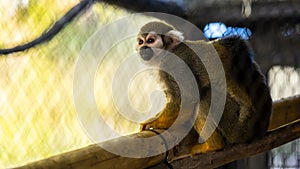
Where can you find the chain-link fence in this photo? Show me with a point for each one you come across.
(37, 116)
(285, 81)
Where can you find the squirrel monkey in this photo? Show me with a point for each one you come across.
(248, 102)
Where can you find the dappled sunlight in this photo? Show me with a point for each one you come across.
(37, 116)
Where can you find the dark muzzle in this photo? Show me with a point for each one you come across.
(146, 53)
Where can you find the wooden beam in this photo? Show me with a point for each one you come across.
(230, 12)
(148, 6)
(215, 159)
(285, 111)
(95, 157)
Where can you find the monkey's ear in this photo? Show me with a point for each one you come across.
(173, 38)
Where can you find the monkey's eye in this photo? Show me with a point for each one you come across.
(141, 42)
(150, 40)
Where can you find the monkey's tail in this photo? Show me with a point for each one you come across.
(247, 74)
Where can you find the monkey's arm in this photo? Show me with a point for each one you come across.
(168, 115)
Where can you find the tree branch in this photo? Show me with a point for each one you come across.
(153, 6)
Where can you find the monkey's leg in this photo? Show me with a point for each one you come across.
(215, 140)
(213, 143)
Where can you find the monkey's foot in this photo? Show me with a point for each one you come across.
(206, 147)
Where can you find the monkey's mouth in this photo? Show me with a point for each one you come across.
(146, 53)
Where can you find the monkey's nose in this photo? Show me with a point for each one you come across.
(146, 53)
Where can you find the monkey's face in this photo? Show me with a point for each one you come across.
(149, 45)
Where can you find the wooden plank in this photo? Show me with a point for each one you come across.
(95, 157)
(210, 160)
(285, 111)
(230, 12)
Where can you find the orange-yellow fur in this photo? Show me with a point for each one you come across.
(242, 116)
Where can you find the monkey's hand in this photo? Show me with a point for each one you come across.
(163, 121)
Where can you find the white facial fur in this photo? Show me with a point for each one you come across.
(176, 34)
(157, 41)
